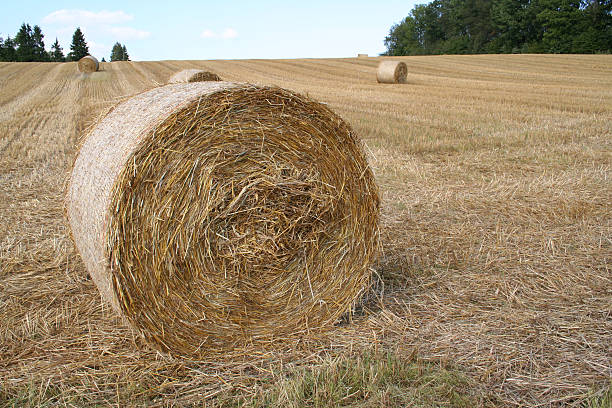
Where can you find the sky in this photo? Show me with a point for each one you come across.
(160, 30)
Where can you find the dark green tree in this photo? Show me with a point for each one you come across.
(7, 49)
(515, 26)
(125, 54)
(40, 54)
(25, 50)
(494, 26)
(596, 31)
(560, 21)
(78, 48)
(116, 52)
(57, 54)
(403, 39)
(119, 53)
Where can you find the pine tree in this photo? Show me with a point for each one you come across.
(78, 48)
(124, 53)
(25, 44)
(40, 54)
(7, 49)
(57, 54)
(117, 52)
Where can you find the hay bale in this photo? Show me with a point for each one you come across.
(88, 63)
(215, 214)
(362, 55)
(193, 75)
(391, 72)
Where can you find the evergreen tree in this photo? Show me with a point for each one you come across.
(124, 53)
(561, 21)
(78, 48)
(40, 54)
(7, 50)
(119, 53)
(57, 54)
(116, 52)
(25, 51)
(103, 60)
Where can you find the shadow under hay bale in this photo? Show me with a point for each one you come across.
(88, 64)
(216, 214)
(193, 75)
(391, 72)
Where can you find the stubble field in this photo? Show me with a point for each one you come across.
(495, 281)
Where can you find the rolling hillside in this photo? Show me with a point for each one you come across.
(496, 178)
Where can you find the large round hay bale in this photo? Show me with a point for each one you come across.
(391, 72)
(88, 63)
(193, 75)
(215, 214)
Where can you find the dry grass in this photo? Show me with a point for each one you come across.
(495, 177)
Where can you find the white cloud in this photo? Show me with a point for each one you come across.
(207, 34)
(97, 49)
(226, 34)
(85, 17)
(127, 33)
(229, 33)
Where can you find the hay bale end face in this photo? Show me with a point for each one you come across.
(193, 75)
(212, 215)
(392, 72)
(88, 64)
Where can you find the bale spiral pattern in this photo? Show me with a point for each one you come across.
(193, 75)
(215, 214)
(88, 64)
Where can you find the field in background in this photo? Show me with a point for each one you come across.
(496, 283)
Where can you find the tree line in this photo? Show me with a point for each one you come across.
(504, 26)
(28, 46)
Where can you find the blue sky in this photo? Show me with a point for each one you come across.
(156, 30)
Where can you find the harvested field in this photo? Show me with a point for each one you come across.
(496, 230)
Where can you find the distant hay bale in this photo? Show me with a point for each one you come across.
(193, 75)
(391, 72)
(362, 55)
(88, 63)
(214, 214)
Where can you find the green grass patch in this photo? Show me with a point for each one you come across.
(602, 399)
(363, 381)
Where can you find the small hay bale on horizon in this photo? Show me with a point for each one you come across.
(213, 215)
(88, 64)
(391, 72)
(193, 75)
(362, 55)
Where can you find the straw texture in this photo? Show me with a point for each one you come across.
(391, 72)
(193, 75)
(88, 63)
(215, 214)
